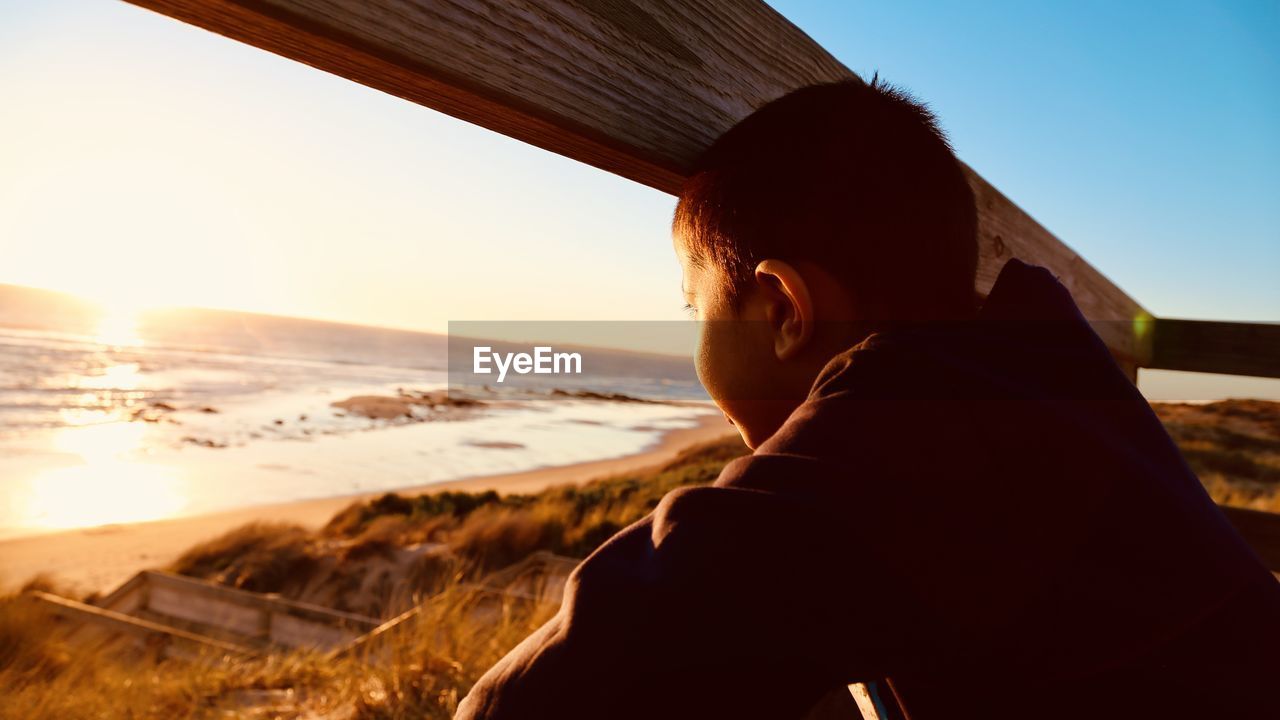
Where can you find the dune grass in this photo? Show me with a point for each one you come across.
(1233, 446)
(426, 666)
(471, 535)
(420, 670)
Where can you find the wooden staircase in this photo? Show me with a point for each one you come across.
(184, 617)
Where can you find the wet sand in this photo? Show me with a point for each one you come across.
(98, 559)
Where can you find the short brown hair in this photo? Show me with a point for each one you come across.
(854, 176)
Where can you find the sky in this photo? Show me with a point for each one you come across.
(144, 162)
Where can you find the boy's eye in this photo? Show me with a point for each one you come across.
(691, 310)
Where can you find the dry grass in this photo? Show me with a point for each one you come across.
(380, 556)
(362, 561)
(419, 544)
(420, 671)
(259, 556)
(1233, 446)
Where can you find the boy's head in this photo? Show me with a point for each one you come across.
(830, 213)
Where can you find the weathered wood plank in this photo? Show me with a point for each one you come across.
(145, 630)
(295, 632)
(866, 702)
(232, 616)
(1005, 231)
(636, 88)
(241, 617)
(1231, 348)
(193, 588)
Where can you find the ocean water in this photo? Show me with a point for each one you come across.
(107, 419)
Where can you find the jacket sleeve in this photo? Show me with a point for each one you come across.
(737, 600)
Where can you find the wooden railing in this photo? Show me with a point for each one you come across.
(184, 616)
(1231, 348)
(245, 620)
(166, 640)
(640, 88)
(635, 88)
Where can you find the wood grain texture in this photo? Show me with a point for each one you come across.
(1005, 231)
(234, 617)
(295, 632)
(634, 87)
(1231, 348)
(192, 590)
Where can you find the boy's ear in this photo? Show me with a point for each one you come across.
(789, 306)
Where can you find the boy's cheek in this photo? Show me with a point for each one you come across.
(715, 361)
(734, 369)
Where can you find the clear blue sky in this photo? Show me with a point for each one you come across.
(1144, 134)
(134, 150)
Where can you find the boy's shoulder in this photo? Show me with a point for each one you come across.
(996, 460)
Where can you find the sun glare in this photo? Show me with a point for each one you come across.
(106, 485)
(102, 493)
(118, 326)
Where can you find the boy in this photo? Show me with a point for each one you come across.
(968, 501)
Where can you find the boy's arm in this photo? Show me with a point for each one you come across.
(725, 601)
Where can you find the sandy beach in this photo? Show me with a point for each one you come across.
(99, 558)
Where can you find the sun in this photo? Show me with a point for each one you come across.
(119, 324)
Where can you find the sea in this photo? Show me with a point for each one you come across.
(110, 418)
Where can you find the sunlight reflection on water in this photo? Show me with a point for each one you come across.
(108, 428)
(108, 484)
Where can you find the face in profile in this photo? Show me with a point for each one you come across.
(738, 359)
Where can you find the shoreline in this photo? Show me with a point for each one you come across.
(100, 558)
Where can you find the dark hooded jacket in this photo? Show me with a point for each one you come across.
(987, 517)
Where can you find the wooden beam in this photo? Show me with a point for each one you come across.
(634, 87)
(1230, 348)
(1005, 231)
